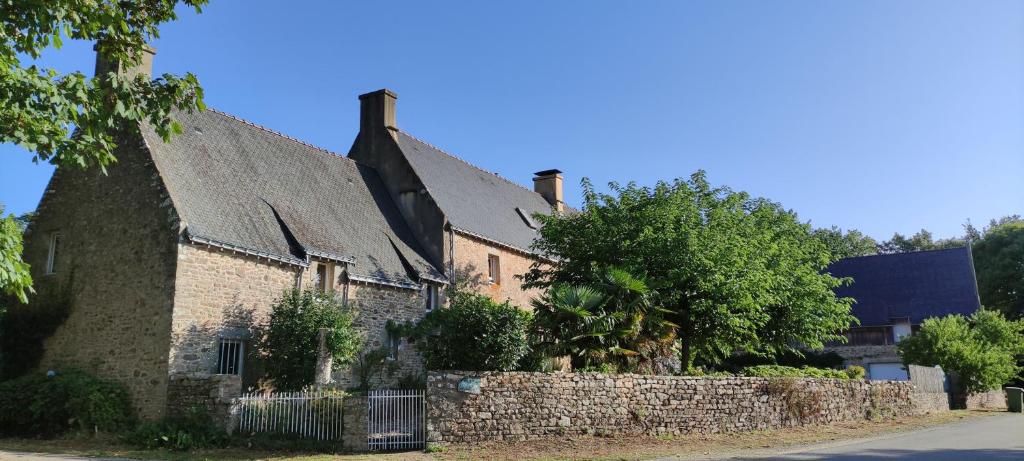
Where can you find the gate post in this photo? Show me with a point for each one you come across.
(355, 436)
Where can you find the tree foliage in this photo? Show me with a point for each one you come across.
(473, 333)
(289, 341)
(735, 272)
(920, 241)
(613, 322)
(15, 279)
(39, 108)
(846, 244)
(999, 263)
(982, 349)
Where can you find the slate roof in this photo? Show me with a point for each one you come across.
(241, 185)
(917, 285)
(474, 200)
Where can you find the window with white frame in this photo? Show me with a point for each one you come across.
(54, 254)
(493, 269)
(430, 293)
(229, 356)
(323, 276)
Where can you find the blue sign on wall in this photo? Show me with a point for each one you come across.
(470, 385)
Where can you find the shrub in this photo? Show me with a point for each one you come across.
(982, 349)
(856, 372)
(739, 361)
(191, 430)
(47, 406)
(288, 342)
(473, 333)
(779, 371)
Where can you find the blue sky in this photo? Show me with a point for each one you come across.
(876, 115)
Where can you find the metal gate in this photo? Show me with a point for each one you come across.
(396, 419)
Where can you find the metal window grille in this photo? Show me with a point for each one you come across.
(230, 355)
(396, 419)
(393, 343)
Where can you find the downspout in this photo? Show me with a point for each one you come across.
(451, 256)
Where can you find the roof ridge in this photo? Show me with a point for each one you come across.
(456, 157)
(278, 133)
(905, 252)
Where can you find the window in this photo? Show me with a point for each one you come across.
(393, 341)
(229, 356)
(431, 295)
(493, 269)
(324, 277)
(52, 256)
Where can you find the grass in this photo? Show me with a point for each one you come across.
(591, 448)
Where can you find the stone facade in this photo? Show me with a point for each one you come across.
(374, 306)
(219, 294)
(991, 400)
(211, 392)
(526, 406)
(115, 266)
(471, 267)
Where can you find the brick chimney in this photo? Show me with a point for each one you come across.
(548, 184)
(377, 110)
(145, 67)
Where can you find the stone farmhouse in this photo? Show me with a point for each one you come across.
(169, 258)
(895, 293)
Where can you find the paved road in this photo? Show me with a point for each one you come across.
(996, 438)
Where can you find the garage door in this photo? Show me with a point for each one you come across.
(887, 371)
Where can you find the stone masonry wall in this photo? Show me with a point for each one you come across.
(115, 263)
(526, 406)
(991, 400)
(374, 306)
(865, 355)
(220, 294)
(471, 266)
(214, 393)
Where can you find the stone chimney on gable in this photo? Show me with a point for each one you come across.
(105, 66)
(548, 184)
(377, 110)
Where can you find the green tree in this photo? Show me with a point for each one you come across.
(736, 272)
(289, 341)
(473, 333)
(15, 279)
(999, 263)
(920, 241)
(611, 324)
(69, 119)
(982, 349)
(846, 244)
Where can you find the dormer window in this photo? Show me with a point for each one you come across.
(527, 219)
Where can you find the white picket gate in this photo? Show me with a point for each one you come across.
(396, 419)
(314, 415)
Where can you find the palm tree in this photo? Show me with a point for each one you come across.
(611, 324)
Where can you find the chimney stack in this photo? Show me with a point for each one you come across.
(377, 111)
(145, 67)
(548, 184)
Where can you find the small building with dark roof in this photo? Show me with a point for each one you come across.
(894, 293)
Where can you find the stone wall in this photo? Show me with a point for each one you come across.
(991, 400)
(525, 406)
(374, 306)
(214, 393)
(220, 294)
(471, 267)
(115, 265)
